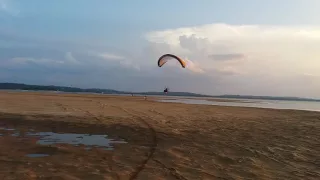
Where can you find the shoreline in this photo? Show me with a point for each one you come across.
(159, 98)
(242, 106)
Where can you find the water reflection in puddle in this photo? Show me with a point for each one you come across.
(49, 138)
(37, 155)
(6, 129)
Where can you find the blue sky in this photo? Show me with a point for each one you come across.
(115, 44)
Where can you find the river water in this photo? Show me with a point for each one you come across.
(273, 104)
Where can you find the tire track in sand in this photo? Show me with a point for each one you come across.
(173, 171)
(153, 147)
(66, 108)
(61, 106)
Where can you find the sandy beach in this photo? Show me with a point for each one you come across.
(163, 140)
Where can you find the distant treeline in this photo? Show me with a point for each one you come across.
(20, 86)
(16, 86)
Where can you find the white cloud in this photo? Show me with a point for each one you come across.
(250, 53)
(257, 45)
(44, 62)
(106, 58)
(25, 60)
(226, 57)
(109, 56)
(194, 67)
(7, 7)
(70, 58)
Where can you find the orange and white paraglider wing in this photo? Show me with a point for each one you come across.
(168, 57)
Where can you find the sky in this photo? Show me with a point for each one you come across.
(245, 47)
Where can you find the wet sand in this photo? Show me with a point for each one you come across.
(164, 140)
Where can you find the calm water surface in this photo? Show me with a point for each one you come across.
(273, 104)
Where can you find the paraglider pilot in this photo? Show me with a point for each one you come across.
(166, 90)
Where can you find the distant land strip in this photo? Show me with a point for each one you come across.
(29, 87)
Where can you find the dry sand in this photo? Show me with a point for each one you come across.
(165, 140)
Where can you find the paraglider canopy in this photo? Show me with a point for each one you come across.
(166, 57)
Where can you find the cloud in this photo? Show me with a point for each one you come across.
(194, 67)
(226, 57)
(107, 58)
(69, 57)
(242, 55)
(227, 70)
(7, 7)
(221, 59)
(110, 56)
(24, 60)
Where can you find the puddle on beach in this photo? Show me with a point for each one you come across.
(49, 138)
(6, 129)
(37, 155)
